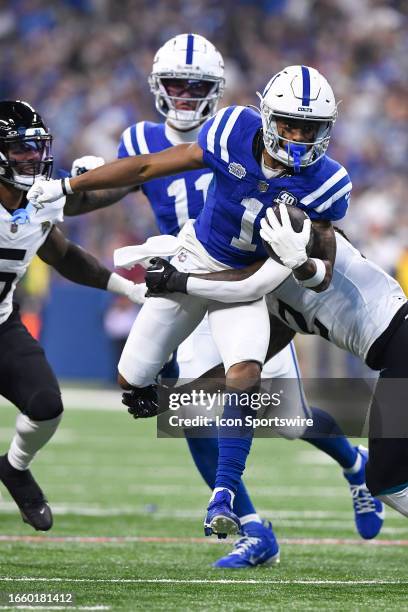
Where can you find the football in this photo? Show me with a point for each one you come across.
(297, 217)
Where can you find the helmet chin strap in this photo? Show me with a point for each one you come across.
(296, 151)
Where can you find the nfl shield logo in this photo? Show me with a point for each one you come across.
(263, 186)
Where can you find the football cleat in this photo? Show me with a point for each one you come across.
(220, 519)
(258, 546)
(27, 494)
(368, 511)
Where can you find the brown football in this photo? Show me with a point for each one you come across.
(297, 217)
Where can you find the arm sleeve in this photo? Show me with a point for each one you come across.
(265, 280)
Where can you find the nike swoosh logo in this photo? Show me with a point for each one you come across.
(42, 511)
(159, 270)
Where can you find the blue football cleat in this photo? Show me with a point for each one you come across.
(258, 546)
(220, 519)
(368, 511)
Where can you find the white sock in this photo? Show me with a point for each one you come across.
(398, 501)
(217, 489)
(29, 438)
(356, 467)
(250, 518)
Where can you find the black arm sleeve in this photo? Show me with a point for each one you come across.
(73, 262)
(87, 201)
(81, 267)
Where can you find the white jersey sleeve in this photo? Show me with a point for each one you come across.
(353, 312)
(19, 244)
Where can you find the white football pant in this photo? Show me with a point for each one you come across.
(240, 331)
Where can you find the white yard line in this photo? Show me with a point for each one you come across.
(202, 581)
(192, 540)
(27, 607)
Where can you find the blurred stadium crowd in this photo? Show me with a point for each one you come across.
(84, 65)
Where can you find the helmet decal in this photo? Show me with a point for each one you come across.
(190, 49)
(306, 86)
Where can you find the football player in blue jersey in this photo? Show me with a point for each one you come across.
(256, 159)
(364, 311)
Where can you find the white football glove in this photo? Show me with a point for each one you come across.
(137, 293)
(134, 292)
(289, 246)
(43, 191)
(85, 163)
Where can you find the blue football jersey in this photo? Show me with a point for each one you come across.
(174, 199)
(228, 226)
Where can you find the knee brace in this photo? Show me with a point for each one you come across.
(44, 405)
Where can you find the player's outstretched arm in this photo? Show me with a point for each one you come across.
(125, 172)
(248, 284)
(251, 284)
(79, 266)
(87, 201)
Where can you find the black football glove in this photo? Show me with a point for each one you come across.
(162, 277)
(142, 402)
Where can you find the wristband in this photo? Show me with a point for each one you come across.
(118, 284)
(318, 276)
(178, 282)
(66, 187)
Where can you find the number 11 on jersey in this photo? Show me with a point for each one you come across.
(178, 190)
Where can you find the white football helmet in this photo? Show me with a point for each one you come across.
(297, 92)
(190, 59)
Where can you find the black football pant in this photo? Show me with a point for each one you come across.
(26, 378)
(388, 434)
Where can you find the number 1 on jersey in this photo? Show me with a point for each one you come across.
(178, 190)
(252, 209)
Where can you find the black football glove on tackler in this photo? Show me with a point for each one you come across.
(162, 277)
(142, 402)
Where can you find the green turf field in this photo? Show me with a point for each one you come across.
(108, 477)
